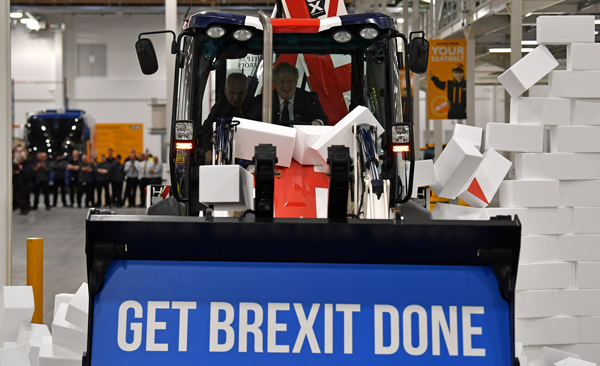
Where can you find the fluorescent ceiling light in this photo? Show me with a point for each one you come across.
(508, 50)
(529, 43)
(597, 21)
(16, 15)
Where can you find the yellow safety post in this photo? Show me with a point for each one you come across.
(35, 276)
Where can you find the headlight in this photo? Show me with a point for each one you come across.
(242, 34)
(400, 134)
(342, 36)
(184, 131)
(215, 31)
(369, 33)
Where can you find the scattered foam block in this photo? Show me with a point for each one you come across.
(585, 112)
(14, 356)
(31, 336)
(586, 351)
(444, 211)
(514, 137)
(579, 247)
(574, 84)
(538, 249)
(574, 362)
(528, 71)
(537, 304)
(546, 331)
(521, 212)
(77, 311)
(9, 344)
(561, 166)
(547, 356)
(578, 193)
(565, 29)
(579, 302)
(67, 334)
(62, 299)
(550, 221)
(52, 354)
(488, 177)
(575, 139)
(16, 307)
(588, 275)
(545, 276)
(520, 354)
(469, 133)
(586, 220)
(455, 168)
(589, 329)
(542, 111)
(424, 175)
(226, 187)
(306, 136)
(341, 133)
(252, 133)
(529, 193)
(583, 56)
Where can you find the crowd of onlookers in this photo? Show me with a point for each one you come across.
(108, 181)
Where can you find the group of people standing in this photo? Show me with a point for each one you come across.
(87, 182)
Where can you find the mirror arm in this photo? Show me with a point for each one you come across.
(173, 43)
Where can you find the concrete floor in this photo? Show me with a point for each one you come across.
(63, 231)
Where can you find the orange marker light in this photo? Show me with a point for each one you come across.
(400, 148)
(183, 145)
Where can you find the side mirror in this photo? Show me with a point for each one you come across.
(146, 56)
(418, 55)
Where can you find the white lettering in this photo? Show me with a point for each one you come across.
(183, 307)
(469, 331)
(253, 328)
(422, 330)
(225, 325)
(380, 349)
(328, 328)
(438, 321)
(153, 326)
(136, 328)
(306, 328)
(347, 309)
(274, 327)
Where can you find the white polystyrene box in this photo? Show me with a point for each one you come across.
(588, 275)
(561, 166)
(579, 247)
(61, 299)
(469, 133)
(545, 276)
(521, 212)
(487, 179)
(547, 331)
(252, 133)
(455, 168)
(547, 356)
(575, 139)
(529, 193)
(565, 29)
(306, 136)
(67, 334)
(31, 336)
(542, 111)
(52, 354)
(514, 137)
(574, 84)
(589, 329)
(77, 311)
(586, 220)
(579, 193)
(16, 307)
(444, 211)
(583, 56)
(528, 71)
(586, 351)
(537, 304)
(14, 356)
(578, 302)
(424, 175)
(341, 133)
(226, 187)
(538, 249)
(550, 221)
(574, 362)
(585, 112)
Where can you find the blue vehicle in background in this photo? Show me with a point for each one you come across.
(58, 132)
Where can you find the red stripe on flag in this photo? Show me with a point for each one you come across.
(295, 25)
(297, 9)
(333, 8)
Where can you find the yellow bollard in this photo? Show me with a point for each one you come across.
(35, 276)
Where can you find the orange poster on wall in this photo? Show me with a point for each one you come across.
(447, 86)
(121, 137)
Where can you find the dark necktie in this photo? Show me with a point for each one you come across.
(285, 113)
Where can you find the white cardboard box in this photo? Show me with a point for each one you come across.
(574, 84)
(577, 302)
(227, 187)
(16, 307)
(589, 329)
(585, 112)
(550, 221)
(579, 193)
(528, 71)
(565, 29)
(575, 139)
(424, 175)
(52, 354)
(305, 137)
(488, 177)
(579, 247)
(67, 334)
(444, 211)
(14, 356)
(77, 311)
(518, 211)
(537, 304)
(514, 137)
(539, 249)
(542, 111)
(529, 193)
(545, 276)
(455, 168)
(252, 133)
(31, 336)
(588, 275)
(583, 56)
(547, 331)
(561, 166)
(586, 220)
(469, 133)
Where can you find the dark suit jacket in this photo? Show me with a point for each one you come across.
(307, 108)
(222, 108)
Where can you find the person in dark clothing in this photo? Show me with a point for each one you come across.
(59, 170)
(42, 180)
(20, 186)
(73, 167)
(102, 182)
(456, 90)
(85, 182)
(131, 168)
(116, 177)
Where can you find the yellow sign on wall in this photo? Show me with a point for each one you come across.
(447, 86)
(121, 137)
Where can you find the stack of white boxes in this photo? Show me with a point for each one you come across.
(557, 190)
